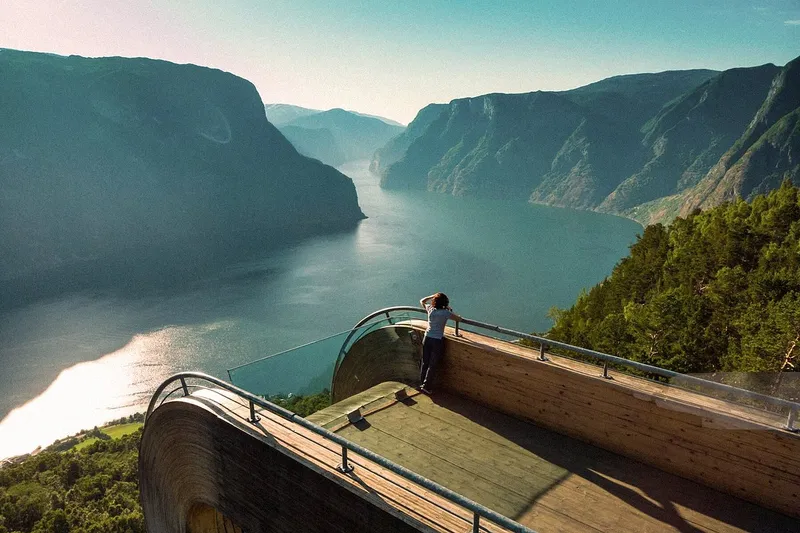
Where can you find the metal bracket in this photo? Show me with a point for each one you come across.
(254, 418)
(790, 422)
(476, 523)
(345, 467)
(355, 416)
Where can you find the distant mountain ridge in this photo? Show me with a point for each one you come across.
(644, 146)
(280, 114)
(334, 136)
(113, 165)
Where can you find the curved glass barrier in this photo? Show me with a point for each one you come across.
(309, 369)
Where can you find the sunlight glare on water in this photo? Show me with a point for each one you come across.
(502, 262)
(111, 387)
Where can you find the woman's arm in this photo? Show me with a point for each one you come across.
(422, 302)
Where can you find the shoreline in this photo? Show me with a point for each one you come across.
(85, 435)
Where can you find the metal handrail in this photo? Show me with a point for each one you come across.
(385, 311)
(544, 343)
(477, 509)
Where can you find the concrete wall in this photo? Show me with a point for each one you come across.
(386, 354)
(192, 458)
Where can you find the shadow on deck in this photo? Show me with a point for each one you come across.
(540, 478)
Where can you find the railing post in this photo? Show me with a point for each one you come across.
(542, 348)
(476, 522)
(457, 335)
(790, 421)
(185, 388)
(254, 418)
(605, 370)
(345, 467)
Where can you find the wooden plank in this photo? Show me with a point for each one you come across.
(784, 443)
(644, 385)
(681, 428)
(588, 505)
(642, 443)
(628, 421)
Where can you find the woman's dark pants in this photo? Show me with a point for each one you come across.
(432, 350)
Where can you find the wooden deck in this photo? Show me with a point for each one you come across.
(415, 506)
(550, 444)
(549, 482)
(544, 480)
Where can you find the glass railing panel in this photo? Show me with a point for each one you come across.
(379, 322)
(304, 370)
(767, 386)
(309, 369)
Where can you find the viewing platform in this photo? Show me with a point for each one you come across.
(512, 434)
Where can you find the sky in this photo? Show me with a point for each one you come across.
(393, 57)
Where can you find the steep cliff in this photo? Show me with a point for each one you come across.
(571, 148)
(495, 145)
(689, 136)
(765, 154)
(647, 146)
(395, 149)
(110, 162)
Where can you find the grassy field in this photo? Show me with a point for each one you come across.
(119, 430)
(114, 432)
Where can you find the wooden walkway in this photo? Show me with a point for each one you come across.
(544, 480)
(420, 508)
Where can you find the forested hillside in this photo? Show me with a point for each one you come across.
(94, 490)
(717, 290)
(92, 487)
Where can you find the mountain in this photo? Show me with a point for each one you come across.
(356, 136)
(394, 150)
(334, 136)
(688, 137)
(280, 114)
(382, 119)
(764, 155)
(646, 146)
(556, 148)
(318, 143)
(118, 168)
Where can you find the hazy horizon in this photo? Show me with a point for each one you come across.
(392, 60)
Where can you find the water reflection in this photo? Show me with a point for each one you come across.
(501, 262)
(116, 385)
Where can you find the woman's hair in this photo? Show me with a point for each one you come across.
(440, 300)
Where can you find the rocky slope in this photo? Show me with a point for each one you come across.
(766, 153)
(396, 148)
(113, 164)
(647, 146)
(687, 137)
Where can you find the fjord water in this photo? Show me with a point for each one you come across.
(80, 360)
